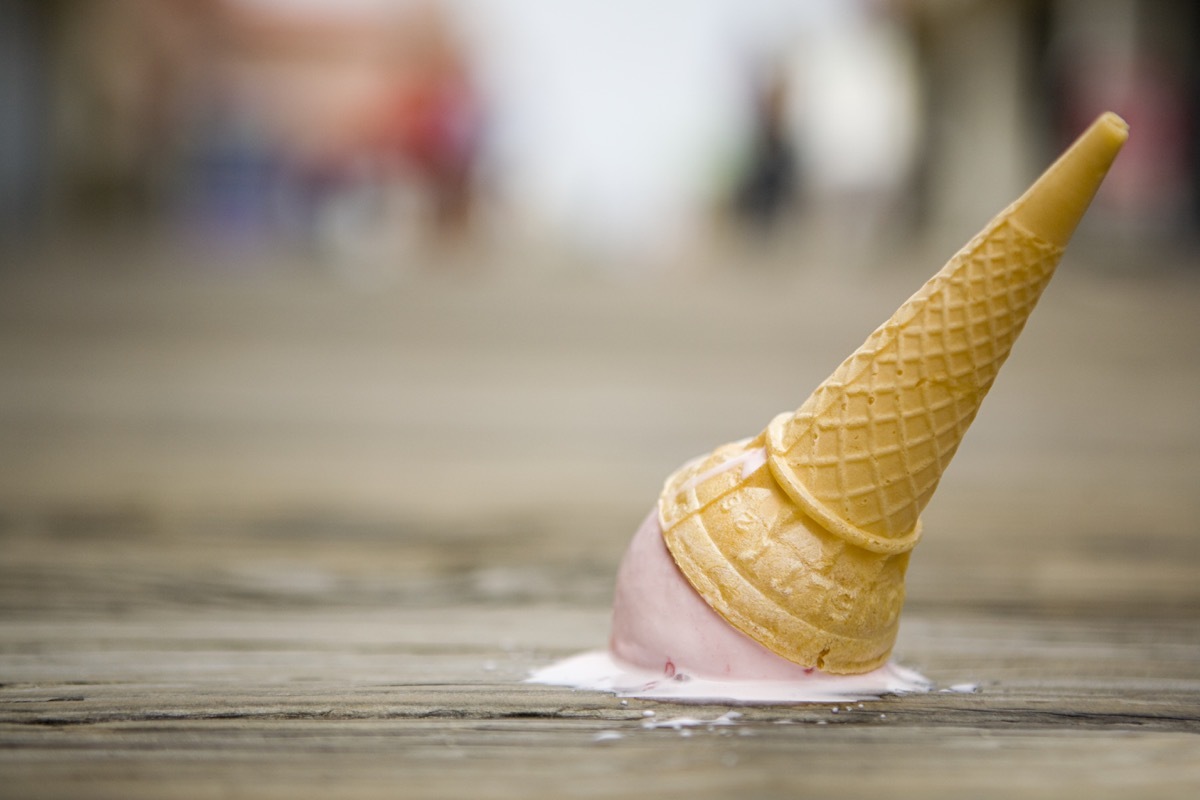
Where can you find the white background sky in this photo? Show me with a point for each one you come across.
(619, 112)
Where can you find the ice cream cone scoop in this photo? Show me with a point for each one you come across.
(799, 538)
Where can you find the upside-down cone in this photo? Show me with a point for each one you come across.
(800, 537)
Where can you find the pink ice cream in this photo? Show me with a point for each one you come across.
(662, 625)
(668, 643)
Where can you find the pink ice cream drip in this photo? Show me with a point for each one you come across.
(660, 624)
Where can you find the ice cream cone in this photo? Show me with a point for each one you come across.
(800, 537)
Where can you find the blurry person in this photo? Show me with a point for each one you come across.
(768, 185)
(431, 120)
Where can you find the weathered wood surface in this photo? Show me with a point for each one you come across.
(273, 537)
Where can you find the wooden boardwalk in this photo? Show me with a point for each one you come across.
(276, 537)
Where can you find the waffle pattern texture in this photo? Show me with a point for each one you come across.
(866, 451)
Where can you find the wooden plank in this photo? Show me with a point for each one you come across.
(236, 690)
(255, 583)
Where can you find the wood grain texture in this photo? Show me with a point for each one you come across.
(278, 539)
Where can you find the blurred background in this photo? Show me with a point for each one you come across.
(368, 134)
(515, 260)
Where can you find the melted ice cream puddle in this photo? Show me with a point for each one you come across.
(599, 671)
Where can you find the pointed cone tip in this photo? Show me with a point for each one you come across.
(1055, 204)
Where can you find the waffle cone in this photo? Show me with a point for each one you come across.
(800, 537)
